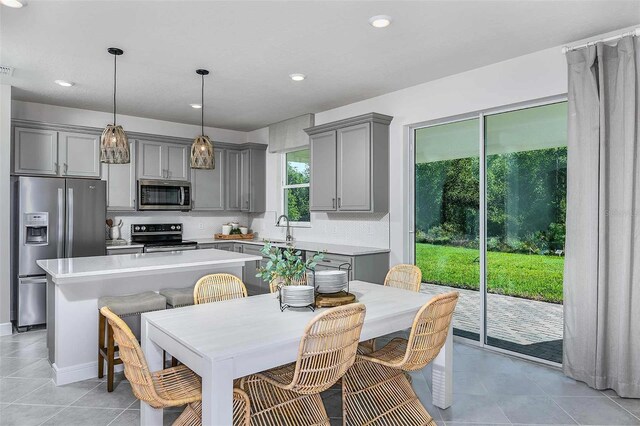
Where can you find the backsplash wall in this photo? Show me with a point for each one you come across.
(211, 221)
(355, 229)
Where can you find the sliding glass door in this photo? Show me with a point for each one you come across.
(490, 197)
(447, 216)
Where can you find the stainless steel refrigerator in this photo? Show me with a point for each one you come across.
(51, 218)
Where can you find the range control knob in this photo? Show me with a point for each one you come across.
(137, 228)
(173, 227)
(178, 227)
(143, 228)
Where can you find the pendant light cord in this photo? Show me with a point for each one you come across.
(115, 74)
(202, 109)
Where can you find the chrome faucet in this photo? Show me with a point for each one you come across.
(289, 236)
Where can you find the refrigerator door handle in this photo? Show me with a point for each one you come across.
(70, 222)
(60, 222)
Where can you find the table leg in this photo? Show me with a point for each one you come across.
(442, 374)
(150, 416)
(217, 394)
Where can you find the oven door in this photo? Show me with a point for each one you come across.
(164, 195)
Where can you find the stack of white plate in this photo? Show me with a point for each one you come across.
(330, 281)
(297, 295)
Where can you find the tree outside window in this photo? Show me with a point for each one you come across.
(296, 186)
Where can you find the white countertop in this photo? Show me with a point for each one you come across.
(137, 264)
(304, 245)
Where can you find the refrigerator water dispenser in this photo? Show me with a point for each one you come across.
(36, 228)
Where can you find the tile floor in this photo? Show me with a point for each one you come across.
(489, 388)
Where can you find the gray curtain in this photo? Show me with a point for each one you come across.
(602, 265)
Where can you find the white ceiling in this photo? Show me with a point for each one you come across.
(252, 47)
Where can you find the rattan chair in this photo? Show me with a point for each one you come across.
(171, 387)
(218, 287)
(376, 390)
(273, 285)
(290, 395)
(192, 414)
(404, 276)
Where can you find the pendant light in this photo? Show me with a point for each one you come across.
(114, 146)
(202, 155)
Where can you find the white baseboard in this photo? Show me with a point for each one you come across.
(6, 329)
(78, 373)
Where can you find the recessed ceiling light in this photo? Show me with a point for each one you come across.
(380, 21)
(196, 106)
(297, 77)
(64, 83)
(16, 4)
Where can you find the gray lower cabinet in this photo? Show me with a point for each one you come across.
(218, 246)
(369, 267)
(246, 174)
(207, 186)
(121, 183)
(53, 153)
(350, 165)
(161, 160)
(255, 285)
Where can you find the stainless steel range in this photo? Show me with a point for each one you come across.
(160, 237)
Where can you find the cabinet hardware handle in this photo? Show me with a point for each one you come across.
(57, 168)
(65, 168)
(333, 203)
(339, 202)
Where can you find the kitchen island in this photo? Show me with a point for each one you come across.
(74, 286)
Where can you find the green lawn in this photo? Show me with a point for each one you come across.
(522, 275)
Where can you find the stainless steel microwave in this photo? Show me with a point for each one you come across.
(164, 195)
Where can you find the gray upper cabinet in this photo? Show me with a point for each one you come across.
(151, 160)
(48, 152)
(121, 183)
(323, 170)
(79, 154)
(35, 151)
(354, 168)
(350, 164)
(234, 180)
(207, 186)
(178, 157)
(159, 160)
(246, 174)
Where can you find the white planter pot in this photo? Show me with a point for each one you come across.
(297, 295)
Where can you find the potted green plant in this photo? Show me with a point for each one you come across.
(286, 267)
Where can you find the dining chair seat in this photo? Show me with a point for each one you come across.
(391, 353)
(282, 375)
(271, 405)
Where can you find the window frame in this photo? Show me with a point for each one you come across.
(284, 186)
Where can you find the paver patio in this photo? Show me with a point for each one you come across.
(521, 325)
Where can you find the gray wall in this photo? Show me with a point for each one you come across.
(5, 166)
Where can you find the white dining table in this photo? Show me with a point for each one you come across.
(223, 341)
